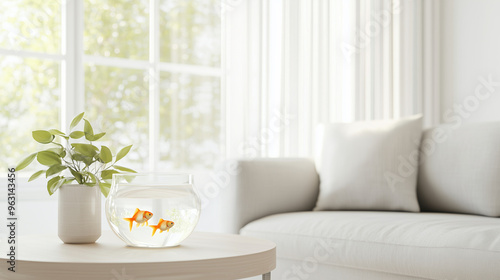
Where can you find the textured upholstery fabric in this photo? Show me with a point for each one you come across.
(460, 169)
(262, 187)
(425, 245)
(370, 165)
(284, 271)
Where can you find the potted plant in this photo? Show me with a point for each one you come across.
(80, 170)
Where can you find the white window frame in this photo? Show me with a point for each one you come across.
(72, 60)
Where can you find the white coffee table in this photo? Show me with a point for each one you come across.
(201, 256)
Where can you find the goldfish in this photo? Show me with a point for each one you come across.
(140, 217)
(162, 226)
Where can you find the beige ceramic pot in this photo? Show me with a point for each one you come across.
(79, 219)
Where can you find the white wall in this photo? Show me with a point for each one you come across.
(470, 48)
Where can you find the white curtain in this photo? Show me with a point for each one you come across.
(289, 65)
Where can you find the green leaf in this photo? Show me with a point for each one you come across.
(76, 120)
(78, 157)
(87, 128)
(25, 162)
(36, 175)
(77, 134)
(54, 169)
(129, 178)
(124, 169)
(85, 149)
(98, 158)
(57, 144)
(105, 154)
(69, 180)
(85, 159)
(42, 136)
(108, 181)
(123, 152)
(94, 137)
(105, 187)
(52, 184)
(58, 150)
(48, 158)
(58, 132)
(59, 183)
(93, 179)
(108, 174)
(78, 176)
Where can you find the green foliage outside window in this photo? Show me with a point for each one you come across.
(116, 98)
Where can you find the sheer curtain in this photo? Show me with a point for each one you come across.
(289, 65)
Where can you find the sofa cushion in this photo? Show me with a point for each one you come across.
(460, 169)
(426, 245)
(370, 165)
(307, 270)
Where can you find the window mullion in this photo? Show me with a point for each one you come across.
(67, 65)
(154, 87)
(79, 91)
(72, 95)
(32, 54)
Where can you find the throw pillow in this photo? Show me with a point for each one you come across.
(370, 165)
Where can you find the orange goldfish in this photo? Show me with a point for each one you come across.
(140, 217)
(162, 226)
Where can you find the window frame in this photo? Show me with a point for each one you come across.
(72, 61)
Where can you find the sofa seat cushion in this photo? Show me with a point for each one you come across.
(427, 245)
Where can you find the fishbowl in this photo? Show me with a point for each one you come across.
(152, 209)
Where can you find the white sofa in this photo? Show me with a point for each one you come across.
(273, 199)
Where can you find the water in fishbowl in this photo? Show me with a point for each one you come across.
(155, 216)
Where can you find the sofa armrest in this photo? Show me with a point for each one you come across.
(262, 187)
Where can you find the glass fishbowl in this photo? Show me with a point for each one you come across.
(152, 209)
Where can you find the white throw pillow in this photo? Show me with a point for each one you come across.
(370, 165)
(460, 169)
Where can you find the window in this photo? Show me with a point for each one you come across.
(30, 76)
(145, 71)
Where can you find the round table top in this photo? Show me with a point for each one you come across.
(201, 256)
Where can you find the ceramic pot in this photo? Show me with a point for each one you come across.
(79, 219)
